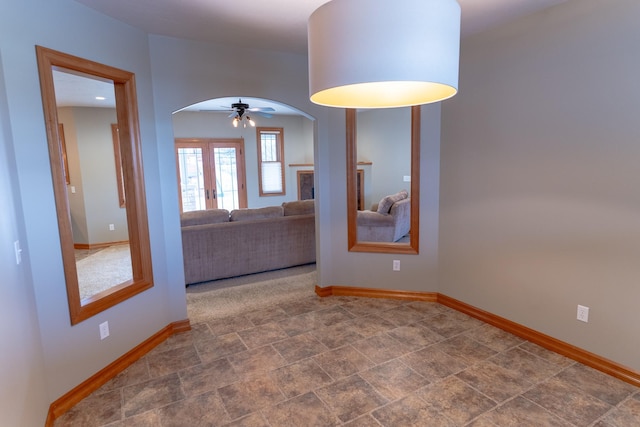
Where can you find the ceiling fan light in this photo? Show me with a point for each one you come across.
(393, 53)
(235, 122)
(251, 122)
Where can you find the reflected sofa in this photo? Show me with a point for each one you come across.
(387, 221)
(219, 244)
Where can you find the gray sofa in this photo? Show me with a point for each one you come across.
(219, 244)
(387, 221)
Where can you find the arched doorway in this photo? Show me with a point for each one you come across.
(276, 142)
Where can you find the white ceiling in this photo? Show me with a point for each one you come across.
(273, 24)
(279, 25)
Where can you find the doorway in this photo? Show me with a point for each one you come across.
(211, 173)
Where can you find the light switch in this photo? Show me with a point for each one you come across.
(16, 246)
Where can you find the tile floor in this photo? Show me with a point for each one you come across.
(344, 361)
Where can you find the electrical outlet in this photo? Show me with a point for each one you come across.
(112, 227)
(406, 178)
(104, 330)
(396, 265)
(583, 313)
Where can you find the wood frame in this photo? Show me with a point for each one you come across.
(208, 145)
(280, 131)
(131, 152)
(301, 190)
(360, 189)
(122, 200)
(63, 147)
(354, 245)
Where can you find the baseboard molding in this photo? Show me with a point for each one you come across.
(71, 398)
(98, 245)
(375, 293)
(575, 353)
(572, 352)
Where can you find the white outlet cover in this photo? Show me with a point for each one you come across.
(104, 330)
(583, 313)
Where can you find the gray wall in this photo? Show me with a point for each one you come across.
(186, 72)
(298, 146)
(71, 354)
(92, 172)
(540, 204)
(23, 396)
(384, 138)
(373, 270)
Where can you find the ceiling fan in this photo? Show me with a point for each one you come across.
(240, 108)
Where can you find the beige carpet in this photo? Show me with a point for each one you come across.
(104, 269)
(228, 297)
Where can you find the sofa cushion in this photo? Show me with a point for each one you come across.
(256, 213)
(299, 207)
(385, 204)
(209, 216)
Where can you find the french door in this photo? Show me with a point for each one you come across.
(211, 173)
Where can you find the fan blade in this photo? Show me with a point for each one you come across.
(265, 115)
(234, 114)
(256, 109)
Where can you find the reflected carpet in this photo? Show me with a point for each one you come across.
(104, 269)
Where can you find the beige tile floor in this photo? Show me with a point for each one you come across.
(344, 361)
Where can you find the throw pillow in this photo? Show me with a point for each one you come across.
(385, 204)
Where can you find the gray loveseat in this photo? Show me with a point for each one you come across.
(218, 244)
(387, 221)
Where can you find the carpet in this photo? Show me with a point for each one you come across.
(229, 297)
(104, 269)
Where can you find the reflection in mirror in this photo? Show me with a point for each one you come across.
(383, 175)
(98, 212)
(104, 240)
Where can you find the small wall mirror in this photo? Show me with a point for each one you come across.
(383, 180)
(96, 166)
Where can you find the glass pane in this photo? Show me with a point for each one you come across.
(226, 178)
(269, 147)
(272, 177)
(191, 179)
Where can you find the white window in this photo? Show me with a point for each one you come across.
(271, 161)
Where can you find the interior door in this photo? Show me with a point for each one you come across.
(211, 174)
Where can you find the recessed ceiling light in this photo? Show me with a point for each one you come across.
(100, 98)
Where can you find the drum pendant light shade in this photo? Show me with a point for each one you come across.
(383, 53)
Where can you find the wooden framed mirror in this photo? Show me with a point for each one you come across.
(364, 233)
(122, 149)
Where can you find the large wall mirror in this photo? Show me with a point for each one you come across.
(383, 180)
(98, 182)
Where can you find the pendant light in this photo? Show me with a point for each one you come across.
(383, 53)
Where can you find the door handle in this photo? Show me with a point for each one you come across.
(207, 194)
(214, 193)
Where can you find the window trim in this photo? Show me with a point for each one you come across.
(280, 151)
